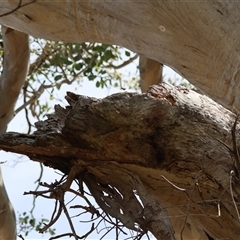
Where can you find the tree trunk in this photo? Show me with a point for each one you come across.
(15, 66)
(150, 72)
(198, 39)
(171, 144)
(7, 215)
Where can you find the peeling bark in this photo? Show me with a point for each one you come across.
(198, 39)
(172, 139)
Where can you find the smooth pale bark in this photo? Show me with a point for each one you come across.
(7, 215)
(15, 66)
(172, 139)
(198, 39)
(150, 72)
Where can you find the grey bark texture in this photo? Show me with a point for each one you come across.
(175, 142)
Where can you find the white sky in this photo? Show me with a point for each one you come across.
(19, 173)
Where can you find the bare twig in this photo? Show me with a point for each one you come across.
(21, 237)
(70, 221)
(175, 186)
(46, 52)
(122, 64)
(35, 96)
(53, 219)
(38, 185)
(61, 235)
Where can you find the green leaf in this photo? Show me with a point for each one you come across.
(100, 48)
(32, 222)
(78, 66)
(108, 54)
(67, 61)
(58, 86)
(51, 231)
(25, 219)
(98, 84)
(92, 77)
(127, 53)
(102, 72)
(58, 77)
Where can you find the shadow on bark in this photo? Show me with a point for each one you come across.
(163, 162)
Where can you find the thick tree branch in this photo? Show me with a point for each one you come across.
(198, 39)
(174, 140)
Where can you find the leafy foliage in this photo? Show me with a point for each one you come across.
(27, 223)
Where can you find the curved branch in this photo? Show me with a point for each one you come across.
(192, 37)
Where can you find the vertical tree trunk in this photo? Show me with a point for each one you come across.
(150, 72)
(15, 66)
(7, 215)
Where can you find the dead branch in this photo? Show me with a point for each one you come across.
(160, 146)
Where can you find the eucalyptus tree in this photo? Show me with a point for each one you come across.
(200, 41)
